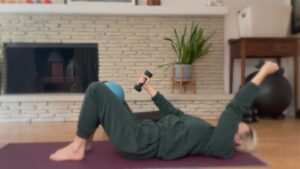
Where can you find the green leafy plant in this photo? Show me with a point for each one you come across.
(189, 47)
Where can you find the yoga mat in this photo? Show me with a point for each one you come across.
(105, 156)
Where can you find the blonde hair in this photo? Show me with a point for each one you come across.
(249, 141)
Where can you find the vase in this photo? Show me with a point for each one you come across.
(153, 2)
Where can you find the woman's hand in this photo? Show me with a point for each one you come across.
(149, 89)
(144, 80)
(269, 68)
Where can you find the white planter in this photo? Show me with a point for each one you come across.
(183, 72)
(264, 21)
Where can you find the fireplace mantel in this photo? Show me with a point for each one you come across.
(134, 10)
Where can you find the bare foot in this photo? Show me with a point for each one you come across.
(73, 151)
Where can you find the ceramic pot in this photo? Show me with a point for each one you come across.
(184, 70)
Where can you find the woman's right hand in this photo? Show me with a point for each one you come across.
(144, 80)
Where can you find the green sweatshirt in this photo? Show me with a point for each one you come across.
(182, 135)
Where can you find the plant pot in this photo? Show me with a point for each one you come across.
(183, 72)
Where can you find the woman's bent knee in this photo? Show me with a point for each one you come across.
(94, 86)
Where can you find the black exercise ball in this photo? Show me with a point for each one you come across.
(274, 95)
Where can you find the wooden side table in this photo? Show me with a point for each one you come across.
(276, 48)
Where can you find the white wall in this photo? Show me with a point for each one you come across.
(232, 31)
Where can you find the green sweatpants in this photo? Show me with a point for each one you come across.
(129, 135)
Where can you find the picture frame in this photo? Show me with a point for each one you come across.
(295, 17)
(103, 2)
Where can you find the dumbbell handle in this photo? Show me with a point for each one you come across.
(280, 71)
(138, 87)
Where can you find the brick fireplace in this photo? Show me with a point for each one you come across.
(50, 67)
(128, 45)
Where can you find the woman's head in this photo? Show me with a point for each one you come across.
(245, 138)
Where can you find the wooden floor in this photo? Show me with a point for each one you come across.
(279, 139)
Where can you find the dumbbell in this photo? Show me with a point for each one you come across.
(138, 87)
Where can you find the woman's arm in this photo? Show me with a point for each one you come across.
(150, 90)
(160, 101)
(267, 69)
(221, 143)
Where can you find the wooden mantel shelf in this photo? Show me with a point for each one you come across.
(115, 9)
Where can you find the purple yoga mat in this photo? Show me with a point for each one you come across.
(105, 156)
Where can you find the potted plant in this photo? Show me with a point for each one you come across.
(188, 48)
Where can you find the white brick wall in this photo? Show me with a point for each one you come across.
(32, 110)
(128, 45)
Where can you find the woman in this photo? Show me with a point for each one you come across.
(176, 135)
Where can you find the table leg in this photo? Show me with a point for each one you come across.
(243, 63)
(173, 79)
(296, 79)
(231, 74)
